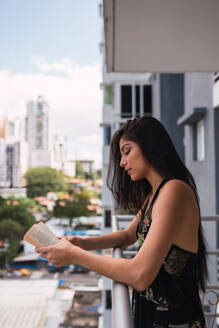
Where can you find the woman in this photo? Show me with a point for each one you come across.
(147, 176)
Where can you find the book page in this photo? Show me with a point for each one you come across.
(40, 235)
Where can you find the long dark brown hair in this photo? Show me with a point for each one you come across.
(159, 150)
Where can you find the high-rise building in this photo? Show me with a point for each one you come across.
(3, 167)
(13, 153)
(38, 133)
(59, 152)
(16, 163)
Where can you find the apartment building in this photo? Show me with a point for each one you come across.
(186, 103)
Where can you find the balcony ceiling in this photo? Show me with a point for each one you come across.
(161, 35)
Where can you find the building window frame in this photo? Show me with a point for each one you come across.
(133, 102)
(108, 94)
(196, 122)
(107, 134)
(199, 141)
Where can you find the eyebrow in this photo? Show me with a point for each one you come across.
(126, 144)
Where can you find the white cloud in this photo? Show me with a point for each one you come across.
(74, 99)
(65, 66)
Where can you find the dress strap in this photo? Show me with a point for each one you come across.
(157, 191)
(144, 209)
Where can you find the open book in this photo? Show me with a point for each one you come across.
(40, 235)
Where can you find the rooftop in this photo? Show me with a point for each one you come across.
(24, 303)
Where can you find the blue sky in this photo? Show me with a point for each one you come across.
(51, 47)
(49, 28)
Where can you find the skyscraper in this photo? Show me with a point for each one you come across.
(38, 133)
(13, 153)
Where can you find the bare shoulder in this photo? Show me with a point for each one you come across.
(176, 195)
(177, 188)
(176, 209)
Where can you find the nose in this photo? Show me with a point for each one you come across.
(122, 162)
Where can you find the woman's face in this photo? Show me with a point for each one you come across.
(132, 160)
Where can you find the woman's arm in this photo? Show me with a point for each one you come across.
(139, 272)
(120, 238)
(64, 253)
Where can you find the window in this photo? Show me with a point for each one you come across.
(11, 128)
(39, 127)
(147, 99)
(108, 299)
(126, 101)
(107, 134)
(107, 219)
(108, 95)
(40, 107)
(199, 141)
(136, 100)
(39, 142)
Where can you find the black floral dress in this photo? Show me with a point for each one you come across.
(172, 300)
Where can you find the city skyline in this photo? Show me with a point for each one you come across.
(55, 53)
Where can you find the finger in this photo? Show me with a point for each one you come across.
(67, 238)
(54, 262)
(42, 249)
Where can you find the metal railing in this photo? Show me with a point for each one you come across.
(121, 305)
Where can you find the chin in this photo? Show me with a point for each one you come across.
(133, 178)
(136, 178)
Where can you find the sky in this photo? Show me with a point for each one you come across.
(51, 48)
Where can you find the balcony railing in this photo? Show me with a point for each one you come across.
(121, 304)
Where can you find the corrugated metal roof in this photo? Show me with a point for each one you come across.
(24, 303)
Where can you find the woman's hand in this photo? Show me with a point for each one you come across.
(59, 254)
(64, 253)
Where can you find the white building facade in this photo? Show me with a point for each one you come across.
(70, 168)
(124, 96)
(59, 152)
(3, 166)
(13, 153)
(38, 133)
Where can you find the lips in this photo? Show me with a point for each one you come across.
(128, 171)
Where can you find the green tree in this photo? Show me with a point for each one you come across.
(28, 203)
(19, 213)
(42, 180)
(85, 196)
(99, 173)
(15, 220)
(79, 172)
(74, 208)
(88, 175)
(10, 229)
(2, 201)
